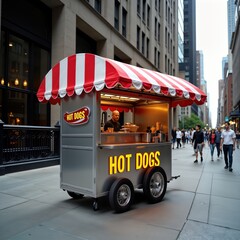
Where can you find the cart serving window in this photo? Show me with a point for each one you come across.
(100, 163)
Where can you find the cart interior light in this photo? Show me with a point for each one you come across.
(118, 98)
(107, 95)
(133, 99)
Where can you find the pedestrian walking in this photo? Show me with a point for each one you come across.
(218, 133)
(228, 138)
(198, 142)
(174, 136)
(212, 142)
(183, 138)
(179, 137)
(187, 135)
(191, 135)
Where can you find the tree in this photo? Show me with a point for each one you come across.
(190, 122)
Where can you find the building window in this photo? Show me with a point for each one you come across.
(169, 15)
(98, 6)
(143, 43)
(139, 8)
(156, 3)
(166, 9)
(85, 44)
(174, 35)
(159, 29)
(144, 10)
(116, 14)
(166, 37)
(155, 56)
(138, 37)
(165, 63)
(168, 66)
(174, 9)
(147, 47)
(159, 7)
(155, 28)
(168, 43)
(158, 60)
(124, 22)
(174, 56)
(148, 15)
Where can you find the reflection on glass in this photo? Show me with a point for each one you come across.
(18, 62)
(17, 103)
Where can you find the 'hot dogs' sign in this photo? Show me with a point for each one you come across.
(122, 163)
(77, 117)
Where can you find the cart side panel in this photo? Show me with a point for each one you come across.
(127, 162)
(77, 169)
(78, 145)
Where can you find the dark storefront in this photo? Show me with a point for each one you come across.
(24, 59)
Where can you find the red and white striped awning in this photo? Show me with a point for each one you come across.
(85, 72)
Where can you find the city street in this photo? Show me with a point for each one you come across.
(204, 203)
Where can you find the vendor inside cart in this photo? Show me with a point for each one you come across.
(113, 124)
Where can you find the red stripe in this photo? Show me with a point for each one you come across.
(71, 75)
(89, 72)
(179, 92)
(146, 84)
(164, 88)
(55, 80)
(41, 90)
(112, 77)
(123, 78)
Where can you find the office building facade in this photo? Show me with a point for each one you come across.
(35, 35)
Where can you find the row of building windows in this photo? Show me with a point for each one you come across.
(117, 18)
(22, 67)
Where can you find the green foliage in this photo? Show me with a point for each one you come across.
(190, 122)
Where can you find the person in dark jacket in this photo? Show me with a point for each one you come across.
(198, 142)
(218, 140)
(113, 122)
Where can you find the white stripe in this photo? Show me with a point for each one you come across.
(171, 89)
(155, 86)
(179, 84)
(63, 77)
(137, 83)
(48, 85)
(80, 73)
(197, 94)
(99, 73)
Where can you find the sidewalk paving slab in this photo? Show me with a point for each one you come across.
(202, 204)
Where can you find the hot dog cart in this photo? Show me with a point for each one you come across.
(113, 164)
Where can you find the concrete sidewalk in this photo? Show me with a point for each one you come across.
(204, 203)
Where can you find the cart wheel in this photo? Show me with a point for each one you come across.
(121, 194)
(95, 206)
(155, 184)
(75, 195)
